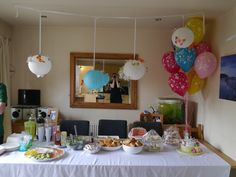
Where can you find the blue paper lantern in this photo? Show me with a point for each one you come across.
(95, 80)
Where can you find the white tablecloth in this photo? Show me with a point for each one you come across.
(168, 163)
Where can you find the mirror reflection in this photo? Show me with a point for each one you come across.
(117, 93)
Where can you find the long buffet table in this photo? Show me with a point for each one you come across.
(168, 163)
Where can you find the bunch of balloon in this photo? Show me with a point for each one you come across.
(191, 61)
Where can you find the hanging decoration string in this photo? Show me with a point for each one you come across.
(94, 41)
(101, 17)
(135, 28)
(40, 33)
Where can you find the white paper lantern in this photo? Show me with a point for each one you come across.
(122, 74)
(39, 65)
(182, 37)
(134, 69)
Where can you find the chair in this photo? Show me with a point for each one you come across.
(112, 127)
(157, 126)
(196, 132)
(82, 126)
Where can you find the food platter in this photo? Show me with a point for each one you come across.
(189, 153)
(44, 154)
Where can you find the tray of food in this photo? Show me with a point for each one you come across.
(42, 154)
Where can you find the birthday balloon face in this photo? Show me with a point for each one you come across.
(182, 37)
(169, 63)
(185, 58)
(178, 82)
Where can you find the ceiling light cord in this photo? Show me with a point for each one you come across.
(135, 28)
(94, 41)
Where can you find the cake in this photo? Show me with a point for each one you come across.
(190, 145)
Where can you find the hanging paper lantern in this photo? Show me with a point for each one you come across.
(202, 47)
(95, 80)
(196, 25)
(169, 63)
(121, 74)
(178, 82)
(205, 64)
(182, 37)
(134, 69)
(39, 65)
(185, 58)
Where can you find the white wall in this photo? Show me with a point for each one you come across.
(58, 42)
(219, 119)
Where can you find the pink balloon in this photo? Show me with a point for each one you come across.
(178, 82)
(169, 63)
(202, 47)
(205, 64)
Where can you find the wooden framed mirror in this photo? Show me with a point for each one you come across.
(81, 97)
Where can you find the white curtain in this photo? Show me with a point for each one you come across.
(5, 78)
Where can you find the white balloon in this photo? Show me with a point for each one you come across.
(183, 37)
(134, 69)
(39, 65)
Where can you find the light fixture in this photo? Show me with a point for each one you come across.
(133, 69)
(95, 79)
(39, 64)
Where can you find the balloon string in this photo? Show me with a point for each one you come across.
(186, 112)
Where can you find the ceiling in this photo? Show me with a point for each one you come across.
(112, 8)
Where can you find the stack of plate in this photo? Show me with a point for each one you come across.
(2, 149)
(9, 146)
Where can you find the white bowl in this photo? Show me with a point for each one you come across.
(132, 150)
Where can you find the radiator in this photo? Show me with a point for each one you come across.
(93, 130)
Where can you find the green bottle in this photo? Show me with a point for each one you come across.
(30, 126)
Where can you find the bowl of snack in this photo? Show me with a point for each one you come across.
(110, 144)
(92, 148)
(132, 146)
(75, 143)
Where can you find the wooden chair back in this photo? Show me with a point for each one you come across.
(196, 132)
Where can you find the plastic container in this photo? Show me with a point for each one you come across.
(172, 110)
(30, 126)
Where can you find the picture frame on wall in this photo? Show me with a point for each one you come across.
(228, 78)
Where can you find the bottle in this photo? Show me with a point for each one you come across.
(58, 136)
(30, 126)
